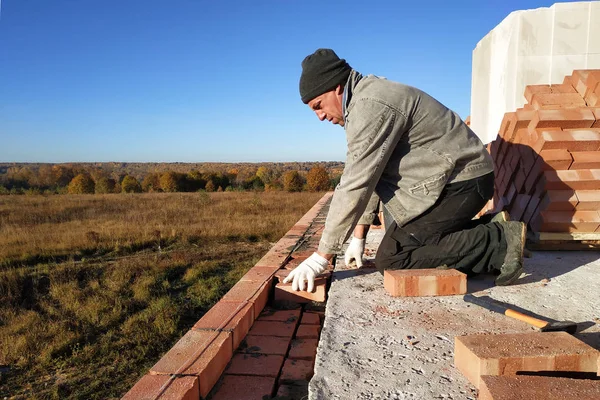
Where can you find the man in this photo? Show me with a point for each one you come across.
(431, 172)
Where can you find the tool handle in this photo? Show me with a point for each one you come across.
(499, 308)
(538, 323)
(487, 304)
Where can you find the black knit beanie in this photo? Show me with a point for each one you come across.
(322, 71)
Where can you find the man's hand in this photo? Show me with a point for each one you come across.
(307, 270)
(355, 252)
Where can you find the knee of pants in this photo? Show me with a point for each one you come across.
(386, 258)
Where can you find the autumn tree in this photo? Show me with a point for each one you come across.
(292, 181)
(171, 182)
(245, 177)
(81, 184)
(195, 181)
(61, 175)
(130, 185)
(317, 179)
(151, 182)
(210, 186)
(105, 185)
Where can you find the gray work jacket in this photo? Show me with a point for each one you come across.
(403, 146)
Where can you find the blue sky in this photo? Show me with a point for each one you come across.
(194, 81)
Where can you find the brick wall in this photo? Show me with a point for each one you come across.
(259, 339)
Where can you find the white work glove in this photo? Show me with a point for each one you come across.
(307, 270)
(355, 251)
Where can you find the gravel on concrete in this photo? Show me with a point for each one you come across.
(374, 346)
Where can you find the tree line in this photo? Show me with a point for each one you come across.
(85, 179)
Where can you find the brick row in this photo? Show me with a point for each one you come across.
(241, 329)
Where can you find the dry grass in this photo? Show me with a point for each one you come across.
(95, 288)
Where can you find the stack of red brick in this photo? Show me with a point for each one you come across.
(547, 157)
(240, 349)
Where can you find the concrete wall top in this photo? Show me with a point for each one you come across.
(530, 47)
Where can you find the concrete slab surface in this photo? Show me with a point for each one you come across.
(374, 346)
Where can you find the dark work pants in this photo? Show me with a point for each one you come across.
(446, 234)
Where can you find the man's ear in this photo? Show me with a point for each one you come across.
(339, 89)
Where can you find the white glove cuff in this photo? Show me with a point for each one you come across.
(322, 261)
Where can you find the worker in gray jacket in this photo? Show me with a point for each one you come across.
(428, 168)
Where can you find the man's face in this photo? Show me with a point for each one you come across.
(328, 106)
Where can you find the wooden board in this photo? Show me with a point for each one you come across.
(563, 241)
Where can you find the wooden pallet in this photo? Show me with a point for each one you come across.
(563, 241)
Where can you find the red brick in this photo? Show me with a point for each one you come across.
(573, 179)
(589, 200)
(531, 209)
(559, 200)
(562, 88)
(534, 176)
(255, 364)
(305, 349)
(510, 196)
(596, 112)
(253, 291)
(537, 388)
(519, 206)
(507, 354)
(528, 157)
(293, 391)
(519, 180)
(272, 258)
(285, 294)
(504, 125)
(568, 221)
(424, 282)
(587, 139)
(530, 90)
(557, 159)
(308, 332)
(296, 370)
(557, 100)
(320, 314)
(260, 274)
(162, 387)
(273, 328)
(311, 319)
(585, 81)
(200, 353)
(586, 160)
(518, 120)
(231, 317)
(549, 160)
(568, 80)
(563, 118)
(593, 99)
(244, 388)
(571, 140)
(527, 107)
(265, 345)
(282, 273)
(297, 230)
(521, 137)
(271, 314)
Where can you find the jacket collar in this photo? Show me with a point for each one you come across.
(351, 83)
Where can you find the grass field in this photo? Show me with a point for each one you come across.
(94, 289)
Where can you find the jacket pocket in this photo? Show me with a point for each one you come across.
(431, 184)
